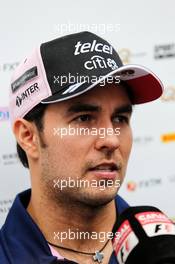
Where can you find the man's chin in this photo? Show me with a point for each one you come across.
(99, 198)
(85, 197)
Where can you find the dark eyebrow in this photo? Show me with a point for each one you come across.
(83, 107)
(124, 109)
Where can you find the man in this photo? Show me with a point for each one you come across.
(70, 104)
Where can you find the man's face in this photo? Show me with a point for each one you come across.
(88, 166)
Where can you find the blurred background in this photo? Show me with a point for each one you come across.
(143, 33)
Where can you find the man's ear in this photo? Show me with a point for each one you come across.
(27, 137)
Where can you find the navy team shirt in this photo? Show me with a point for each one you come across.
(22, 242)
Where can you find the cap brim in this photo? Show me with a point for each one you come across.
(145, 86)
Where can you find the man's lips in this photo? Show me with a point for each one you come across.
(108, 170)
(107, 166)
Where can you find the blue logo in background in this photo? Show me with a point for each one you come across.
(4, 114)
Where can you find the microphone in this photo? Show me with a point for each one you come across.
(144, 235)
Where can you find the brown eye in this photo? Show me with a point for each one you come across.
(84, 118)
(121, 119)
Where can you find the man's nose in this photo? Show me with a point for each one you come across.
(110, 140)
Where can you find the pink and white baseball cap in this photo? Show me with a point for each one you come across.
(71, 65)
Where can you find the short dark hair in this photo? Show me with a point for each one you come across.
(35, 115)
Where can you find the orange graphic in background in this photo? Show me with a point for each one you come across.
(131, 186)
(166, 138)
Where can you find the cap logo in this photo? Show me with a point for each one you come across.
(73, 88)
(90, 47)
(100, 62)
(26, 94)
(28, 75)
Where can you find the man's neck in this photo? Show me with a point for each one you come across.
(60, 223)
